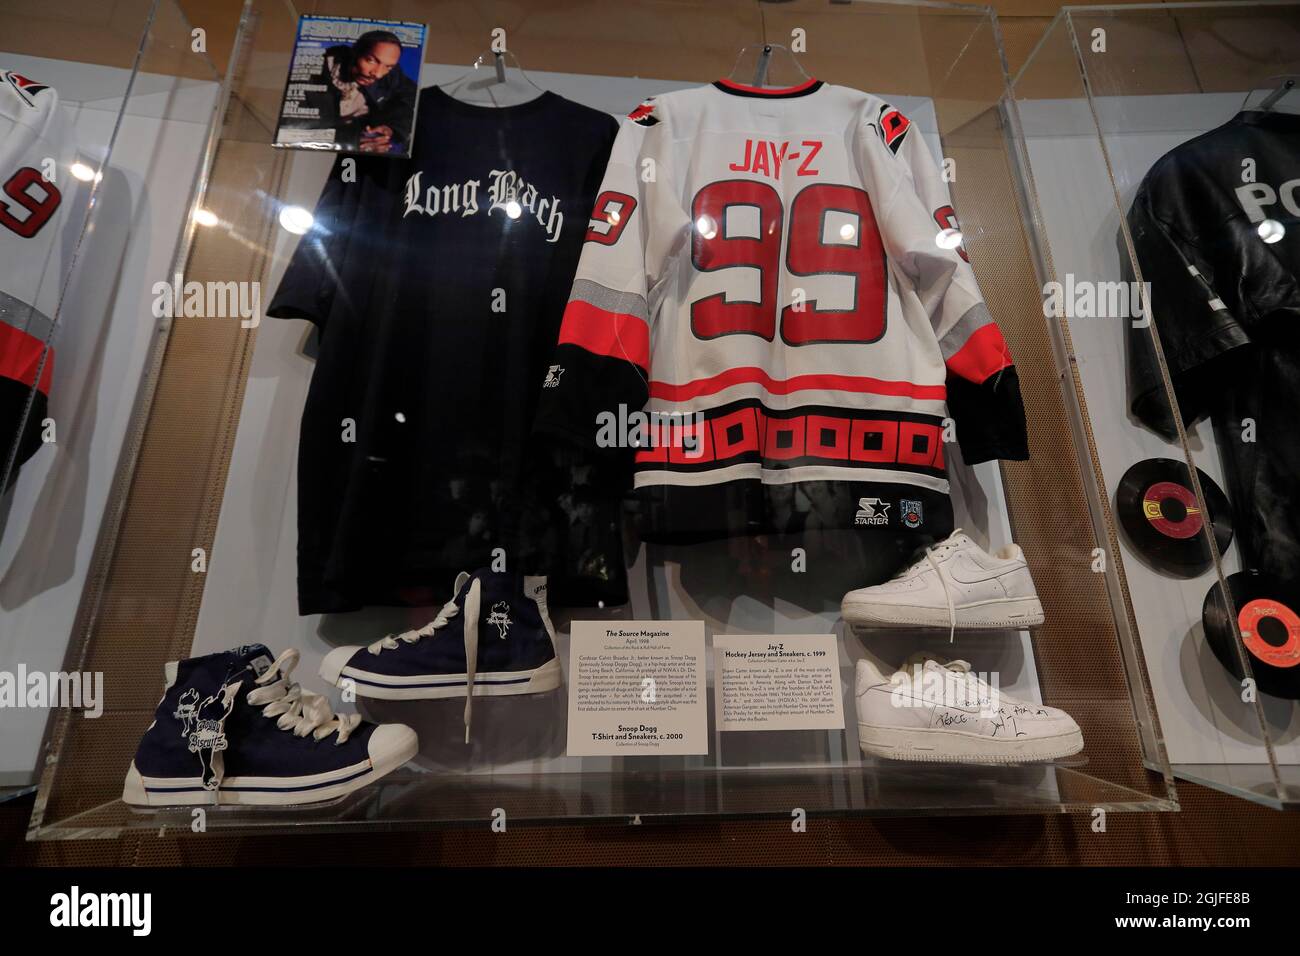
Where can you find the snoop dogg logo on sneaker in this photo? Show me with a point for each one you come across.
(203, 727)
(500, 616)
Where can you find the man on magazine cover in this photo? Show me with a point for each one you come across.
(367, 99)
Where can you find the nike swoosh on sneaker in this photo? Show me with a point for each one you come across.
(974, 573)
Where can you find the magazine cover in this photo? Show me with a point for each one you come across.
(352, 86)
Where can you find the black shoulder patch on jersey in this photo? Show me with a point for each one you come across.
(893, 127)
(26, 89)
(644, 115)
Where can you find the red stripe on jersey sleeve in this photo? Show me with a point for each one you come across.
(985, 353)
(614, 334)
(20, 357)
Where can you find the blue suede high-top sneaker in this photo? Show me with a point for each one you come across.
(232, 728)
(492, 638)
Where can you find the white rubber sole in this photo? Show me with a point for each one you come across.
(142, 791)
(950, 746)
(438, 686)
(999, 614)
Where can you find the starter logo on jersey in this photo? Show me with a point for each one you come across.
(872, 511)
(500, 616)
(911, 514)
(25, 88)
(893, 127)
(644, 115)
(553, 376)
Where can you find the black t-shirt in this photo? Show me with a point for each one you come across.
(1226, 305)
(437, 284)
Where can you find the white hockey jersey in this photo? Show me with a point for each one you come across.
(774, 280)
(32, 167)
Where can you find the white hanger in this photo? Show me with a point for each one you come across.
(494, 79)
(757, 62)
(1279, 86)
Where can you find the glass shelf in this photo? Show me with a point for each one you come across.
(217, 466)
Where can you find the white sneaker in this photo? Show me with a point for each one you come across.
(955, 584)
(944, 712)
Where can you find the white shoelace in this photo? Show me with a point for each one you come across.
(449, 610)
(297, 710)
(389, 642)
(946, 544)
(947, 597)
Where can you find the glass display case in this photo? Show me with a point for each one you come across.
(1160, 144)
(105, 119)
(294, 462)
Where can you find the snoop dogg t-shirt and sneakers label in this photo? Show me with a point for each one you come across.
(437, 284)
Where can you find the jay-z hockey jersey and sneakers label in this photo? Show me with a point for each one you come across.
(773, 294)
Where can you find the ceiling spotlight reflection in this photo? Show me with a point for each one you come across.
(948, 239)
(706, 227)
(1270, 230)
(205, 217)
(296, 220)
(848, 231)
(83, 172)
(513, 209)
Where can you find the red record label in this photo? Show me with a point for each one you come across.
(1162, 491)
(1248, 620)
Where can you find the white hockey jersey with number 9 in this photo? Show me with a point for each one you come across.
(774, 281)
(34, 145)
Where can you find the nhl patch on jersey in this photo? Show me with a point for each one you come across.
(893, 127)
(644, 115)
(911, 513)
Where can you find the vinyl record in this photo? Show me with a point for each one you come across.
(1270, 630)
(1158, 512)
